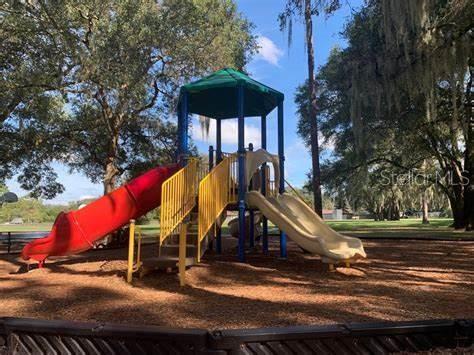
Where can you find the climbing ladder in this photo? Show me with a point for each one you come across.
(178, 214)
(192, 205)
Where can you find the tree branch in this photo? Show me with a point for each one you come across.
(152, 102)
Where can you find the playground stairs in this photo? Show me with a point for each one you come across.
(168, 253)
(193, 205)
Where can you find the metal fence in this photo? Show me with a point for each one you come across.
(13, 241)
(28, 336)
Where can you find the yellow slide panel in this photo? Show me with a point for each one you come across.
(306, 228)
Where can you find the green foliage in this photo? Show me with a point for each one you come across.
(28, 144)
(30, 211)
(98, 80)
(375, 135)
(295, 9)
(328, 202)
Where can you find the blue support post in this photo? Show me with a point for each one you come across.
(218, 160)
(251, 214)
(211, 165)
(281, 156)
(180, 135)
(183, 124)
(264, 185)
(241, 157)
(211, 157)
(218, 142)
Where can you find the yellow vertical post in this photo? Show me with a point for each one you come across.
(198, 249)
(139, 248)
(182, 254)
(131, 250)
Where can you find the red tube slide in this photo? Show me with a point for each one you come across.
(76, 231)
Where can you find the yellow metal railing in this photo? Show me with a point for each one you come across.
(178, 198)
(271, 188)
(182, 254)
(134, 264)
(298, 195)
(216, 191)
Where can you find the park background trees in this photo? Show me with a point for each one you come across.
(396, 100)
(92, 84)
(306, 10)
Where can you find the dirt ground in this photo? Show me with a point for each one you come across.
(401, 280)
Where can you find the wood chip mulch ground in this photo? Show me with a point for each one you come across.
(400, 280)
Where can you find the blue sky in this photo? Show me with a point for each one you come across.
(275, 65)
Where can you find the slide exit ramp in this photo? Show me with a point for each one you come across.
(306, 228)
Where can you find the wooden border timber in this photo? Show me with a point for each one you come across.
(19, 335)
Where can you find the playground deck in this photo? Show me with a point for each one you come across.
(401, 280)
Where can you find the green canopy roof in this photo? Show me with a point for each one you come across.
(215, 96)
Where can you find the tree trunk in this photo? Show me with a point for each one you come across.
(468, 173)
(393, 211)
(424, 208)
(109, 176)
(396, 211)
(316, 175)
(110, 180)
(457, 207)
(111, 171)
(379, 213)
(456, 191)
(469, 187)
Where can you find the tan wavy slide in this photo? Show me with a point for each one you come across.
(306, 228)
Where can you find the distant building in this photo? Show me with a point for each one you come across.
(338, 214)
(334, 214)
(17, 221)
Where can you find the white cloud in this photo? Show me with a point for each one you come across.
(297, 148)
(87, 197)
(229, 133)
(268, 50)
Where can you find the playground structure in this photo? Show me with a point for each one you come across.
(194, 198)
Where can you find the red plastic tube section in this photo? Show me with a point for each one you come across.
(76, 231)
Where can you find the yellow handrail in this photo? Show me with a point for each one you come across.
(298, 194)
(271, 190)
(134, 266)
(216, 190)
(178, 198)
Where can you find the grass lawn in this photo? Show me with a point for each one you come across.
(409, 228)
(438, 228)
(362, 224)
(27, 227)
